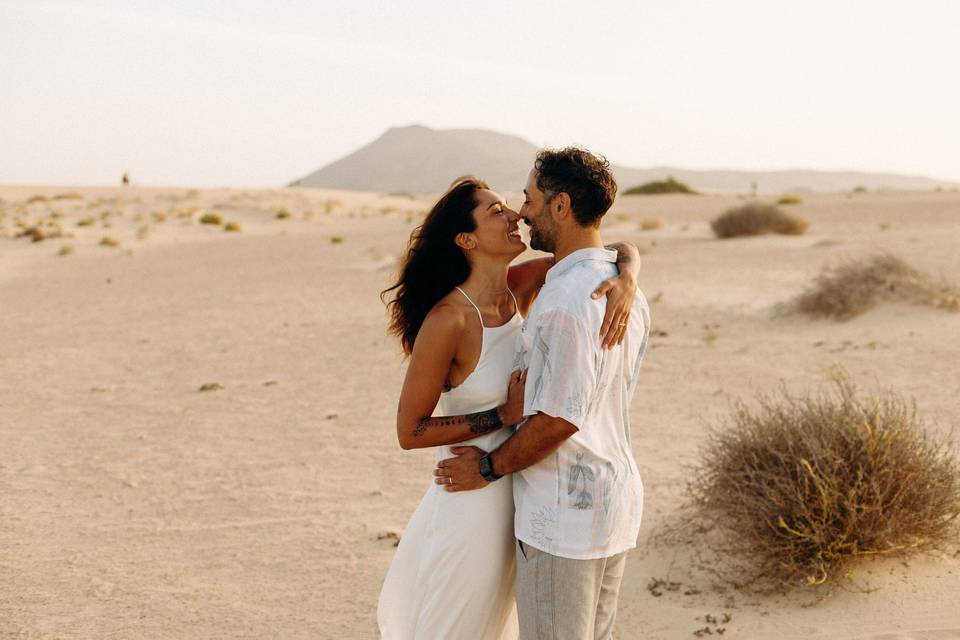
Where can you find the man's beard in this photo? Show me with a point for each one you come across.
(541, 239)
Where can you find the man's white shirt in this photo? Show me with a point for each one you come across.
(585, 500)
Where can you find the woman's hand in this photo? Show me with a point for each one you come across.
(620, 292)
(511, 413)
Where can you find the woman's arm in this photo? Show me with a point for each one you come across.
(433, 354)
(526, 278)
(620, 292)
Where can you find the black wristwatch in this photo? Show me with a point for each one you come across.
(486, 469)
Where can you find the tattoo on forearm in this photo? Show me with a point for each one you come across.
(484, 421)
(480, 422)
(426, 423)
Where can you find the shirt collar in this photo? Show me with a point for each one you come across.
(590, 253)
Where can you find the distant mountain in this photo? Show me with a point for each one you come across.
(417, 159)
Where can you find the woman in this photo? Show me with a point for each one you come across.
(457, 311)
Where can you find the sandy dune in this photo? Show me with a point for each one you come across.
(133, 505)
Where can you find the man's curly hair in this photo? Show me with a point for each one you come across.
(585, 177)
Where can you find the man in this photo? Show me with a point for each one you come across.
(577, 489)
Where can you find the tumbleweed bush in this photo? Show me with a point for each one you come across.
(756, 218)
(850, 288)
(798, 489)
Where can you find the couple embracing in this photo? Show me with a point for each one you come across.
(521, 377)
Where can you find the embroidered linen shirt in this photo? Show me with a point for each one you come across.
(585, 500)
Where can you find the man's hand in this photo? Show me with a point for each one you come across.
(461, 473)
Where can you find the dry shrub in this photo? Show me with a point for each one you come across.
(788, 200)
(282, 214)
(650, 224)
(795, 491)
(232, 227)
(756, 218)
(109, 241)
(855, 286)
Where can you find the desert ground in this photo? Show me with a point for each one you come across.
(133, 504)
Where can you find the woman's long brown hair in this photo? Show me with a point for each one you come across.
(433, 264)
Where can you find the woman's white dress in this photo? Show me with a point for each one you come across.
(453, 572)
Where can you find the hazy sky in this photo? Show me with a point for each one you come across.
(258, 93)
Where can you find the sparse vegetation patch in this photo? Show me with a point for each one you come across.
(788, 200)
(670, 185)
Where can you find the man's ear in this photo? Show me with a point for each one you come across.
(465, 241)
(560, 206)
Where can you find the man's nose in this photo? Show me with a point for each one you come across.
(512, 215)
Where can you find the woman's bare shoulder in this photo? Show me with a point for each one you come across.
(448, 317)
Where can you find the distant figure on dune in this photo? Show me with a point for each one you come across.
(125, 179)
(457, 309)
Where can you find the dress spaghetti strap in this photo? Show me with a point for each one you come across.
(479, 315)
(516, 307)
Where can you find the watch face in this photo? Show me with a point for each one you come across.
(485, 469)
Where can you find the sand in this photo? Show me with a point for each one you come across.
(134, 505)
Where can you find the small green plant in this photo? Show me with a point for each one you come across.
(670, 185)
(211, 218)
(109, 241)
(788, 200)
(859, 189)
(336, 239)
(65, 250)
(89, 221)
(282, 214)
(210, 386)
(232, 226)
